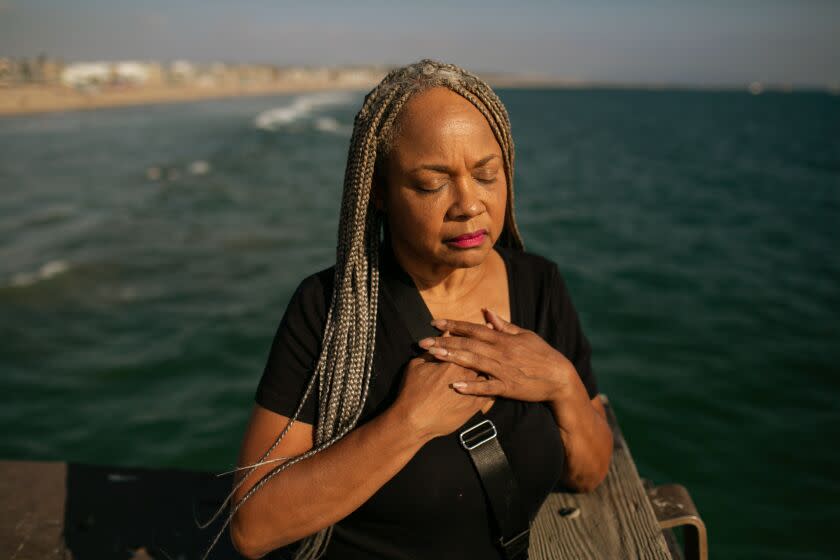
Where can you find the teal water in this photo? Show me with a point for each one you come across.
(147, 254)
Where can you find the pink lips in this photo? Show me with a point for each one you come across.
(468, 240)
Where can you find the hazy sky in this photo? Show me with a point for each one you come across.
(691, 41)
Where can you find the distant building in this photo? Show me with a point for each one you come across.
(47, 70)
(358, 76)
(6, 69)
(86, 74)
(181, 71)
(131, 73)
(154, 74)
(41, 70)
(220, 74)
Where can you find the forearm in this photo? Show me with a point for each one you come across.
(325, 488)
(587, 437)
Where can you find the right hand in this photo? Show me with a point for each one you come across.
(429, 403)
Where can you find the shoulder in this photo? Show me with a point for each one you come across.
(318, 283)
(310, 301)
(296, 347)
(317, 286)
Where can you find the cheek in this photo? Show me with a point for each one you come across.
(499, 205)
(418, 216)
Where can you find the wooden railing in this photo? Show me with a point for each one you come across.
(622, 518)
(57, 510)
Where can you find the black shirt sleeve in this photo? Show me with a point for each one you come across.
(294, 352)
(567, 335)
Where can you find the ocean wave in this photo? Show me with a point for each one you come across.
(48, 215)
(47, 270)
(329, 124)
(301, 107)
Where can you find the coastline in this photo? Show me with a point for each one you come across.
(33, 99)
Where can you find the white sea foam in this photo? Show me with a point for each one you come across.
(47, 270)
(329, 124)
(199, 167)
(300, 107)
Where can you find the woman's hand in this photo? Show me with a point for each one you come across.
(521, 365)
(427, 400)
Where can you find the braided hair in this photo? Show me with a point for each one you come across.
(343, 368)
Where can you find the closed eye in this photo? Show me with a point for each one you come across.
(428, 190)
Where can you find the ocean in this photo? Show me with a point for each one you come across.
(147, 255)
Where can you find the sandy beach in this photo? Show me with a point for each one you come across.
(21, 100)
(33, 98)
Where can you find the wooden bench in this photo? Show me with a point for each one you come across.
(57, 510)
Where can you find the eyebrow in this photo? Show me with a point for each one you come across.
(446, 169)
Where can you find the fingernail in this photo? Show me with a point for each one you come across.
(426, 342)
(459, 385)
(437, 351)
(439, 323)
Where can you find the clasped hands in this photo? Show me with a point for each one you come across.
(518, 363)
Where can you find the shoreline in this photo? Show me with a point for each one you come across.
(30, 100)
(39, 99)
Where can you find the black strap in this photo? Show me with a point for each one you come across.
(478, 436)
(406, 298)
(481, 442)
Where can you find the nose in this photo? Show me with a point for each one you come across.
(467, 202)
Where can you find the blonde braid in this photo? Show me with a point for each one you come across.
(344, 365)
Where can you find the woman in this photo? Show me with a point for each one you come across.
(358, 419)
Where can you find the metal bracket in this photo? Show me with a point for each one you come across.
(674, 507)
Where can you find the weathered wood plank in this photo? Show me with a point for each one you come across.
(61, 511)
(614, 521)
(32, 510)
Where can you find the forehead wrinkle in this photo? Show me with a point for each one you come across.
(454, 103)
(438, 144)
(439, 119)
(446, 169)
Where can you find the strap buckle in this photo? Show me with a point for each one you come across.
(477, 435)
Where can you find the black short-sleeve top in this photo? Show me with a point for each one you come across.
(435, 506)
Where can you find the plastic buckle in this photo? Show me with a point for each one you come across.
(470, 441)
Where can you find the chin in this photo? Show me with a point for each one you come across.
(466, 258)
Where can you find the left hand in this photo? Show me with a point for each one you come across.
(519, 363)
